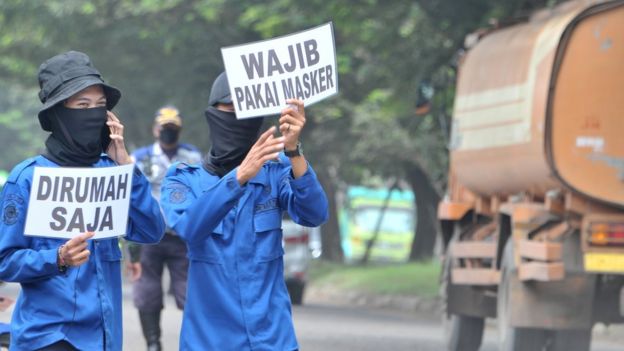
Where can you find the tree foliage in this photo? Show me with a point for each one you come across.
(168, 52)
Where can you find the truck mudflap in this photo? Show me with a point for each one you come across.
(562, 304)
(622, 302)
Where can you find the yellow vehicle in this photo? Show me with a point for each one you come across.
(533, 224)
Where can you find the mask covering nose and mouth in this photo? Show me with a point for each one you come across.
(79, 136)
(231, 140)
(169, 135)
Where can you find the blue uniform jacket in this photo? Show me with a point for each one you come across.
(236, 295)
(83, 305)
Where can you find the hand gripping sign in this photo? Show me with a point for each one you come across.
(262, 75)
(65, 202)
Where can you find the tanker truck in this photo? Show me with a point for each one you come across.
(532, 224)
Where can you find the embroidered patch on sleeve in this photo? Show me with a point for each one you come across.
(178, 195)
(10, 212)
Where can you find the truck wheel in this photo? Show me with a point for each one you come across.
(571, 340)
(513, 338)
(462, 333)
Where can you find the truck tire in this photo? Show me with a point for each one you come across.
(513, 338)
(462, 333)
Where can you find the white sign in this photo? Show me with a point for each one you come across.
(65, 202)
(262, 75)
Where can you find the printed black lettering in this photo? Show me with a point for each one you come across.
(298, 89)
(329, 77)
(276, 102)
(107, 219)
(270, 100)
(92, 227)
(97, 189)
(82, 196)
(77, 222)
(66, 189)
(254, 64)
(288, 89)
(44, 181)
(257, 95)
(292, 65)
(58, 214)
(314, 82)
(239, 97)
(122, 186)
(249, 102)
(274, 63)
(300, 54)
(110, 190)
(55, 191)
(306, 85)
(311, 50)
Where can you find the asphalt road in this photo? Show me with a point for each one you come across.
(327, 326)
(324, 327)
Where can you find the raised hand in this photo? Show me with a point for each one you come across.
(291, 122)
(117, 148)
(266, 148)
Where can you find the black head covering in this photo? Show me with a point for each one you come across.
(79, 136)
(64, 75)
(231, 138)
(220, 92)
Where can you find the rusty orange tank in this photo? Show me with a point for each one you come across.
(528, 116)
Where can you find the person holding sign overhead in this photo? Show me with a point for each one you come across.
(71, 289)
(229, 211)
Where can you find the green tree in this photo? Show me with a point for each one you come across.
(168, 52)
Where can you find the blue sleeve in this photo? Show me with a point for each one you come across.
(189, 147)
(146, 223)
(303, 198)
(140, 156)
(19, 261)
(141, 153)
(194, 211)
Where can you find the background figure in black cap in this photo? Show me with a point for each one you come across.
(71, 290)
(229, 212)
(147, 261)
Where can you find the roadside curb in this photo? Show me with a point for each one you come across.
(328, 294)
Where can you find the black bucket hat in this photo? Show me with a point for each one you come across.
(220, 92)
(64, 75)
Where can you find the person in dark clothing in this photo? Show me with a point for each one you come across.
(148, 261)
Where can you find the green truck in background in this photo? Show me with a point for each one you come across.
(359, 216)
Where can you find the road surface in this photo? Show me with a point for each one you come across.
(326, 326)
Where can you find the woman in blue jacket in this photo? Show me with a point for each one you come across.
(71, 290)
(229, 211)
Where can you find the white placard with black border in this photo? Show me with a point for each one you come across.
(263, 74)
(65, 202)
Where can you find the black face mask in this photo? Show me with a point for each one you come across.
(169, 136)
(231, 140)
(78, 136)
